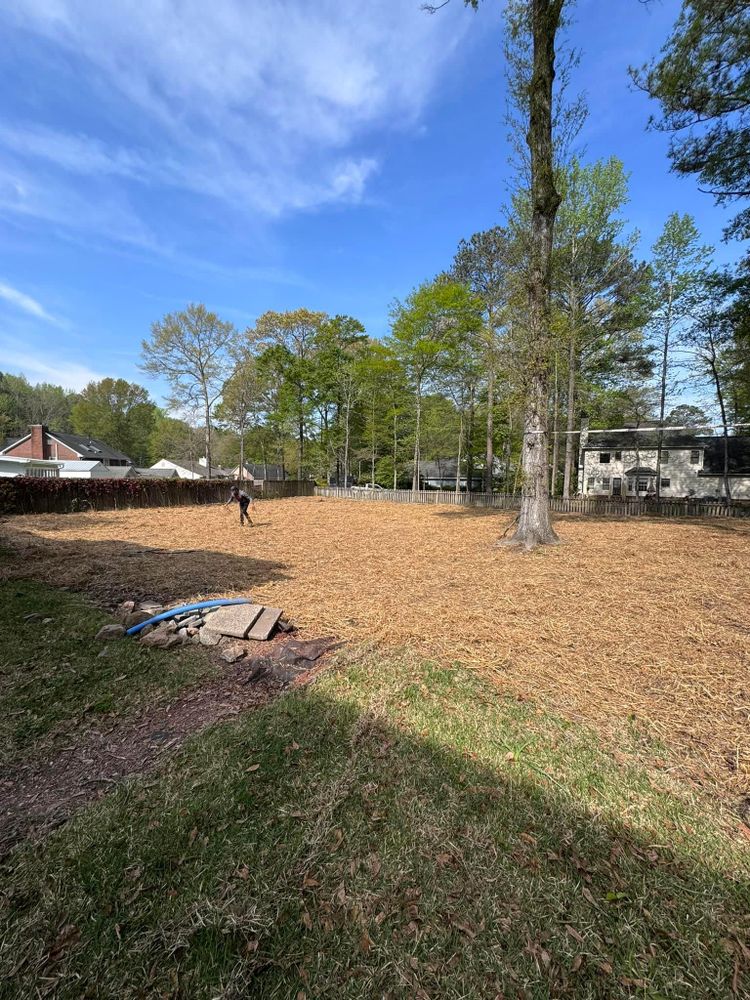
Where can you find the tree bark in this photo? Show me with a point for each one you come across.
(469, 443)
(458, 457)
(395, 449)
(207, 415)
(722, 408)
(663, 390)
(242, 452)
(571, 419)
(415, 473)
(555, 434)
(490, 451)
(534, 526)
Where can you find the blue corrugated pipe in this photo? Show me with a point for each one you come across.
(187, 607)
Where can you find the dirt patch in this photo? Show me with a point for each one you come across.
(633, 623)
(46, 790)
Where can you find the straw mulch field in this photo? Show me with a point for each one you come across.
(631, 622)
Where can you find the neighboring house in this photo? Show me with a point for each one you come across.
(692, 465)
(193, 470)
(259, 472)
(42, 443)
(441, 475)
(36, 467)
(156, 473)
(88, 470)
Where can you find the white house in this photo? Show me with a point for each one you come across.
(39, 468)
(85, 470)
(193, 470)
(692, 465)
(259, 472)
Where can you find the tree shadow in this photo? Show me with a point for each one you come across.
(359, 859)
(112, 571)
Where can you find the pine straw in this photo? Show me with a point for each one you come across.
(627, 621)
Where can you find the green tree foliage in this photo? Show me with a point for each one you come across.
(173, 439)
(598, 289)
(702, 82)
(286, 343)
(678, 269)
(117, 412)
(22, 403)
(190, 349)
(426, 330)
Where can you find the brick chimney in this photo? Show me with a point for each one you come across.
(39, 447)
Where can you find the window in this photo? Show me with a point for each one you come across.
(642, 485)
(695, 456)
(631, 485)
(666, 483)
(604, 458)
(590, 483)
(617, 487)
(618, 456)
(605, 483)
(664, 457)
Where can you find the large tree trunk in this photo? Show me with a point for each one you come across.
(458, 456)
(395, 449)
(415, 474)
(207, 417)
(663, 391)
(724, 424)
(571, 418)
(555, 433)
(534, 526)
(490, 452)
(300, 446)
(470, 443)
(242, 452)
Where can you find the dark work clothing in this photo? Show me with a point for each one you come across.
(244, 501)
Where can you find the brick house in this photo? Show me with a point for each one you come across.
(42, 443)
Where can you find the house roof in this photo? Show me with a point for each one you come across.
(258, 471)
(87, 447)
(157, 473)
(641, 470)
(197, 469)
(631, 440)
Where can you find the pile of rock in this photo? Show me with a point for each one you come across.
(207, 626)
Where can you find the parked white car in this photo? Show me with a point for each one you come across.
(368, 486)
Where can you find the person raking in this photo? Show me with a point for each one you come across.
(244, 500)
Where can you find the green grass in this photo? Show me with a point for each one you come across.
(52, 676)
(395, 830)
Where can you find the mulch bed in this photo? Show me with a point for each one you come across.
(633, 623)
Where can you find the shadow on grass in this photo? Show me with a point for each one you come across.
(371, 837)
(113, 571)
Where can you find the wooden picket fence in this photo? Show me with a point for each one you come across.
(596, 506)
(26, 495)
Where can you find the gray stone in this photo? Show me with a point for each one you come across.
(232, 653)
(145, 631)
(208, 637)
(235, 620)
(124, 610)
(135, 618)
(32, 616)
(107, 632)
(189, 621)
(183, 633)
(161, 639)
(47, 621)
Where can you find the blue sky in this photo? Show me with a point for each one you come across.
(270, 155)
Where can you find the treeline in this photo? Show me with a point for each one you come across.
(315, 394)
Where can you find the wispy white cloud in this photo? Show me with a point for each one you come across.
(271, 106)
(68, 374)
(26, 303)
